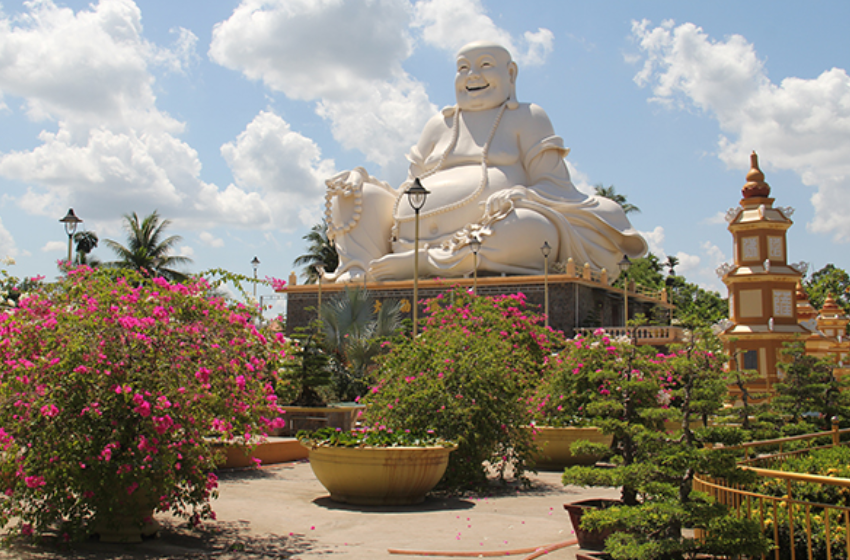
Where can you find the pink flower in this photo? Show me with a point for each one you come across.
(49, 410)
(34, 481)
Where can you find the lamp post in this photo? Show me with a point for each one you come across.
(475, 245)
(70, 221)
(416, 196)
(624, 265)
(546, 249)
(319, 266)
(256, 264)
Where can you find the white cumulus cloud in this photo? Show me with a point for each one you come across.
(268, 157)
(802, 125)
(89, 74)
(55, 247)
(347, 56)
(8, 248)
(211, 240)
(450, 24)
(655, 240)
(315, 49)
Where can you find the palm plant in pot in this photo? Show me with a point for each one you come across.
(355, 327)
(633, 390)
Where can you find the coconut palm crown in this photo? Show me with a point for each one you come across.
(321, 252)
(147, 247)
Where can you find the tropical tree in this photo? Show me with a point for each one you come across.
(86, 242)
(320, 252)
(830, 280)
(147, 247)
(671, 264)
(611, 193)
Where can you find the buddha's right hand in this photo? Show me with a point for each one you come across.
(501, 203)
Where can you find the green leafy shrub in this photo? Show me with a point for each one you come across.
(467, 377)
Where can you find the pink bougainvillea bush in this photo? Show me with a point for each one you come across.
(467, 377)
(114, 387)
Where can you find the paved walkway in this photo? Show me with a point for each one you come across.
(281, 511)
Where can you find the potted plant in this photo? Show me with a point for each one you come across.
(115, 390)
(467, 377)
(377, 466)
(560, 416)
(633, 390)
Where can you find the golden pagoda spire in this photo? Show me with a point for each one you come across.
(755, 187)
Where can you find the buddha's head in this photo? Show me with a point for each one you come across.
(486, 76)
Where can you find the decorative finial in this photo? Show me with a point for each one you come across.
(830, 308)
(755, 187)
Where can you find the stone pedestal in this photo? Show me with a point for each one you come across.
(574, 301)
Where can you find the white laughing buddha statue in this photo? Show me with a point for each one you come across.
(495, 171)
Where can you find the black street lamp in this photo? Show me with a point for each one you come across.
(256, 264)
(70, 221)
(416, 196)
(546, 249)
(475, 245)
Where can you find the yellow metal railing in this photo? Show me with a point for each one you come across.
(800, 529)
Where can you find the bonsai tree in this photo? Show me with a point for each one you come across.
(304, 377)
(114, 391)
(631, 392)
(809, 392)
(467, 377)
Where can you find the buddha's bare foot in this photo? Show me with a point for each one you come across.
(395, 266)
(350, 275)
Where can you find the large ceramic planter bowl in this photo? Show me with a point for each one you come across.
(379, 475)
(554, 445)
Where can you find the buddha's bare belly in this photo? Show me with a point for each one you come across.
(454, 201)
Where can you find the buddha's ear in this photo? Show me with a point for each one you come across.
(513, 70)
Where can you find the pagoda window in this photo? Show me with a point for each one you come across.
(783, 303)
(750, 249)
(751, 359)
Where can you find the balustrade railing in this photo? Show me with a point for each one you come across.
(800, 529)
(654, 335)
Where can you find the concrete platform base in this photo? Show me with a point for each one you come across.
(273, 451)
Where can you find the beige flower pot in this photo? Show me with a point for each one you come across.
(554, 445)
(379, 475)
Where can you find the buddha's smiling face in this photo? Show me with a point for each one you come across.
(485, 78)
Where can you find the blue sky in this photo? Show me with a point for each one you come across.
(227, 116)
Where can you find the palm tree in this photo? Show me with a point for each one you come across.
(611, 193)
(146, 249)
(86, 242)
(671, 264)
(353, 331)
(320, 251)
